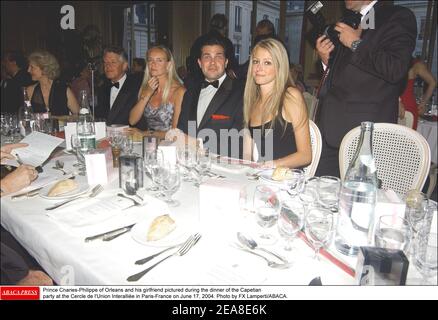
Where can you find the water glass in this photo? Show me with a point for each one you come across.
(266, 204)
(319, 227)
(203, 163)
(170, 182)
(290, 221)
(328, 192)
(187, 159)
(309, 195)
(392, 232)
(294, 181)
(426, 248)
(77, 148)
(153, 161)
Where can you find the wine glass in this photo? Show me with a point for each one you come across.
(309, 195)
(266, 204)
(170, 182)
(153, 161)
(318, 227)
(77, 148)
(426, 248)
(328, 192)
(187, 159)
(416, 206)
(392, 232)
(203, 164)
(294, 181)
(290, 221)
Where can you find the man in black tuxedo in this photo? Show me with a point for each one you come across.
(14, 64)
(364, 74)
(214, 106)
(120, 93)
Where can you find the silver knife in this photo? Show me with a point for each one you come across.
(28, 194)
(110, 235)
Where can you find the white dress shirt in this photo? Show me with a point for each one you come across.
(205, 98)
(115, 91)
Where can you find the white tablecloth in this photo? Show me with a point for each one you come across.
(69, 260)
(428, 130)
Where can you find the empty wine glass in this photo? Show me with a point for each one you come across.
(309, 195)
(153, 161)
(392, 232)
(290, 221)
(426, 248)
(416, 206)
(170, 182)
(203, 163)
(187, 159)
(267, 206)
(318, 227)
(77, 148)
(328, 192)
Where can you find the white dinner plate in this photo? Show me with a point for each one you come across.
(178, 235)
(81, 189)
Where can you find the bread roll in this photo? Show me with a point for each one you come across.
(160, 227)
(62, 187)
(280, 174)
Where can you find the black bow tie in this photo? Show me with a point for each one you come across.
(214, 83)
(115, 84)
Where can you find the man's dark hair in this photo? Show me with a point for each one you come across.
(117, 50)
(268, 25)
(219, 22)
(140, 61)
(18, 57)
(213, 39)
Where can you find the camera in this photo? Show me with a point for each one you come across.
(320, 27)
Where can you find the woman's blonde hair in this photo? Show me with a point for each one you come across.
(172, 76)
(282, 81)
(46, 62)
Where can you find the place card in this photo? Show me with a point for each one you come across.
(99, 165)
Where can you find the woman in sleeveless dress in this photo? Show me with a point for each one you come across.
(275, 113)
(160, 95)
(408, 100)
(49, 94)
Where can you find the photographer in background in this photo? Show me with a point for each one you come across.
(364, 73)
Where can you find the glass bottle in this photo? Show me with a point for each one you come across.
(85, 126)
(26, 117)
(357, 198)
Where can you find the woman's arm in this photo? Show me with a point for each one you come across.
(247, 145)
(146, 94)
(427, 76)
(72, 103)
(179, 95)
(295, 111)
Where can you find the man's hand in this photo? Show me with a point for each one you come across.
(5, 151)
(347, 34)
(324, 47)
(19, 179)
(36, 278)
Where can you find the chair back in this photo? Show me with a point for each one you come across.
(316, 142)
(402, 156)
(311, 103)
(408, 120)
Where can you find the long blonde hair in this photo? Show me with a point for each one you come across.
(172, 76)
(282, 81)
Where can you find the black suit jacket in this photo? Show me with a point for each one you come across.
(225, 111)
(365, 85)
(126, 99)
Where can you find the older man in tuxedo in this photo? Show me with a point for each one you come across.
(364, 73)
(213, 108)
(120, 93)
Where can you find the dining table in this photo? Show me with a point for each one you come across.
(57, 238)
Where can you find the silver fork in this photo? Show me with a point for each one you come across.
(188, 244)
(94, 192)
